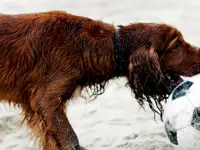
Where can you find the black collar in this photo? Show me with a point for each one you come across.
(118, 59)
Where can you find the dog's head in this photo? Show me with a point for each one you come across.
(158, 56)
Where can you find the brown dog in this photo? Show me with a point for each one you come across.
(45, 57)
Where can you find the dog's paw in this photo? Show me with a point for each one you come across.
(77, 148)
(82, 148)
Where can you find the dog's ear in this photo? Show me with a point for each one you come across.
(145, 76)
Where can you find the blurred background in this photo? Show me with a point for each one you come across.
(114, 121)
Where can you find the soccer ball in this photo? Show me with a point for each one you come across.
(182, 115)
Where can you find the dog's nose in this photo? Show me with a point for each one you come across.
(171, 133)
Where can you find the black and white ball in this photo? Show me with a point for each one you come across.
(182, 115)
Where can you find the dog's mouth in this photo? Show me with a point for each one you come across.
(174, 80)
(195, 69)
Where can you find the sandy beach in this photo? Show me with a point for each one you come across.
(114, 121)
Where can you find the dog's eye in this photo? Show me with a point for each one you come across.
(176, 45)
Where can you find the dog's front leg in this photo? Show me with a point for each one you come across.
(57, 132)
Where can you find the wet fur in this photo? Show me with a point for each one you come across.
(45, 57)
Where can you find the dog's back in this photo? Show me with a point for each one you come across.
(23, 55)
